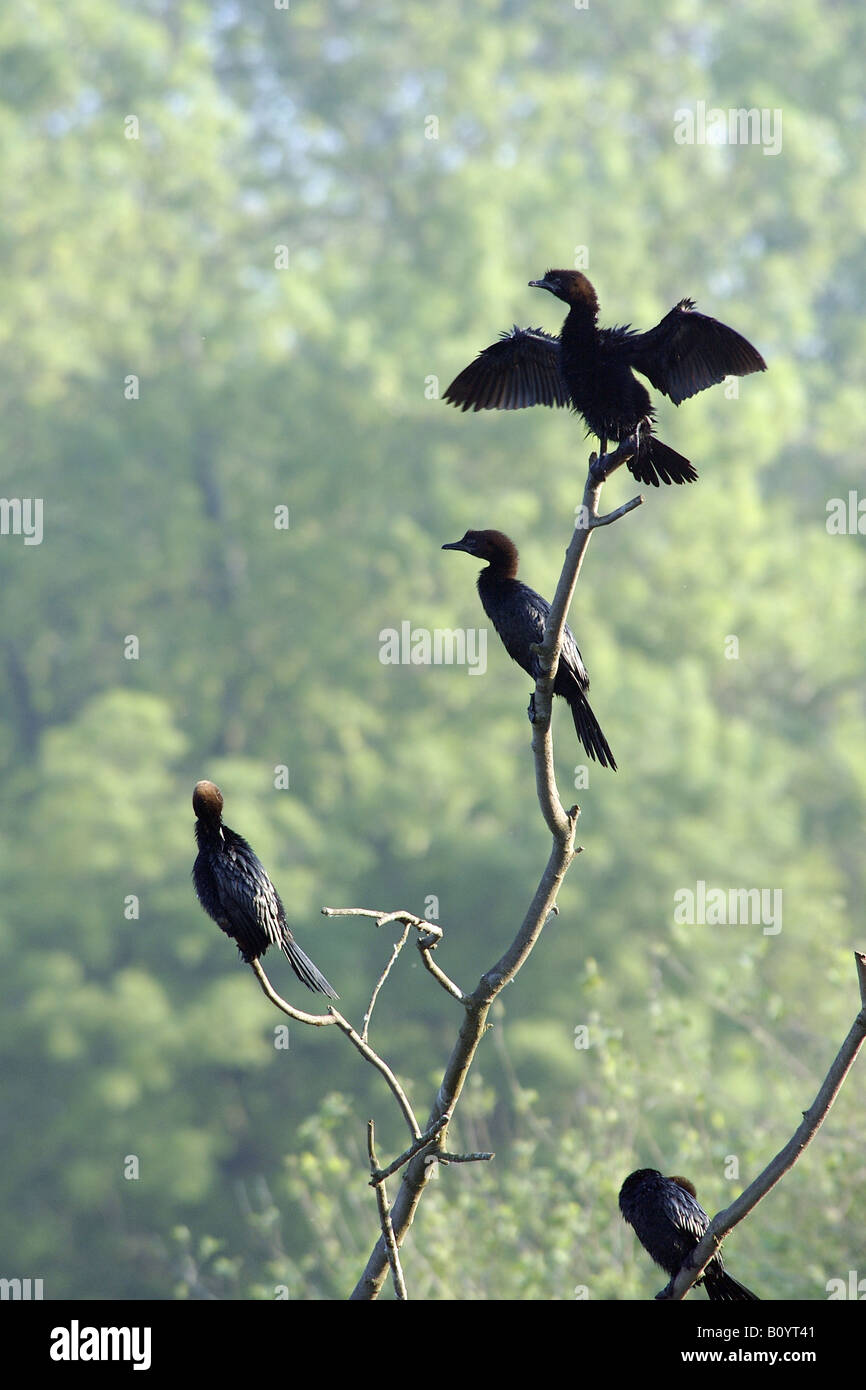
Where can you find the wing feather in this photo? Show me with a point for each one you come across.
(520, 370)
(688, 351)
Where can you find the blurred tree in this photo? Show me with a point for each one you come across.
(166, 386)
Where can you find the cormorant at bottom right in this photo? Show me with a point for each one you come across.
(669, 1221)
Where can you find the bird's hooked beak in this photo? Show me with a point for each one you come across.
(541, 285)
(458, 545)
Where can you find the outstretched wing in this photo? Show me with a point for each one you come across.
(522, 369)
(687, 352)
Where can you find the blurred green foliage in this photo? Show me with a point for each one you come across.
(156, 157)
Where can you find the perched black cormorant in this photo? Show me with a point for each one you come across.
(669, 1221)
(590, 369)
(235, 891)
(520, 615)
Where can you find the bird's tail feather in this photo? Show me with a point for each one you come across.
(655, 462)
(721, 1287)
(589, 731)
(306, 971)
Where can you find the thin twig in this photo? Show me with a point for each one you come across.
(385, 1219)
(448, 985)
(395, 951)
(445, 1157)
(381, 918)
(620, 511)
(424, 928)
(315, 1020)
(431, 936)
(422, 1143)
(785, 1159)
(351, 912)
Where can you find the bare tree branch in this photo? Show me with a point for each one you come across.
(448, 985)
(315, 1020)
(447, 1158)
(785, 1159)
(429, 936)
(620, 511)
(385, 1218)
(381, 918)
(428, 1149)
(562, 825)
(419, 1144)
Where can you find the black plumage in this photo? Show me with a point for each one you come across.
(590, 369)
(520, 616)
(234, 889)
(669, 1221)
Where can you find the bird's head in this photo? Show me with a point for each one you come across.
(683, 1183)
(207, 801)
(571, 286)
(494, 546)
(643, 1180)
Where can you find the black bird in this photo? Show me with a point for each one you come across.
(669, 1221)
(520, 615)
(235, 891)
(590, 369)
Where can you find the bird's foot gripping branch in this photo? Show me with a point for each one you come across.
(601, 465)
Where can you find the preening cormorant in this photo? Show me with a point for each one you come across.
(235, 891)
(669, 1221)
